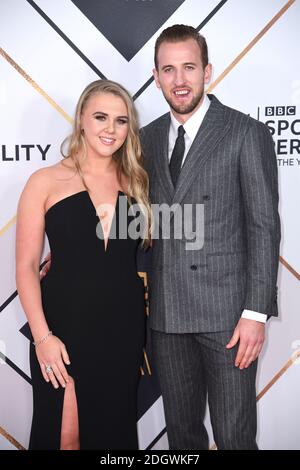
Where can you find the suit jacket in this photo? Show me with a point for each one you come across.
(231, 169)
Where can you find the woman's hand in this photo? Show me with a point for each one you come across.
(52, 355)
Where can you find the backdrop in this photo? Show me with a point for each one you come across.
(49, 51)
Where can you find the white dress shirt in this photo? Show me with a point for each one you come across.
(191, 127)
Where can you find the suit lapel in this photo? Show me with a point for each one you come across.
(210, 133)
(161, 157)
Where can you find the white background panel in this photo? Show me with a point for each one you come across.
(234, 27)
(16, 344)
(278, 413)
(28, 120)
(282, 332)
(5, 444)
(51, 63)
(151, 424)
(7, 256)
(15, 405)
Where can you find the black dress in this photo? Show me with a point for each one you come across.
(93, 300)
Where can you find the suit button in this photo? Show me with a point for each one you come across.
(206, 198)
(194, 267)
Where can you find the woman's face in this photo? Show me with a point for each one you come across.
(105, 124)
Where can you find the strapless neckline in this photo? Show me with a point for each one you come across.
(79, 193)
(84, 192)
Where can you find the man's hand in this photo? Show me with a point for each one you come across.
(47, 266)
(251, 334)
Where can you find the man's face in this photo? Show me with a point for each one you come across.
(181, 76)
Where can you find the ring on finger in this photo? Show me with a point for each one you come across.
(49, 369)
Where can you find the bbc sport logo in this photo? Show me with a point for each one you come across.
(284, 126)
(280, 110)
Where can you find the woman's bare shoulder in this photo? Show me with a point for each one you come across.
(53, 172)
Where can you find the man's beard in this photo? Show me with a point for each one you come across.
(186, 108)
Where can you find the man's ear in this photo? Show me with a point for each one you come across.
(207, 73)
(155, 74)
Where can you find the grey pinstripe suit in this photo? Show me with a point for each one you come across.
(197, 297)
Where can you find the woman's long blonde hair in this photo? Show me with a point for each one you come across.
(128, 158)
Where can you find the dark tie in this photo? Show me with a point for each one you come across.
(177, 155)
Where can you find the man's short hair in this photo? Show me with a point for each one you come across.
(181, 32)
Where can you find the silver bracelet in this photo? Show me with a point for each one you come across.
(37, 343)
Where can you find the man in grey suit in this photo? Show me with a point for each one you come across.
(208, 306)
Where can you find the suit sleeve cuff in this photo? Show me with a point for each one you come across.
(251, 315)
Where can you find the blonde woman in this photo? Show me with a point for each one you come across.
(87, 315)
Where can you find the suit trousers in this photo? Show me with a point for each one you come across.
(193, 367)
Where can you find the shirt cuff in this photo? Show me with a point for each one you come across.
(250, 315)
